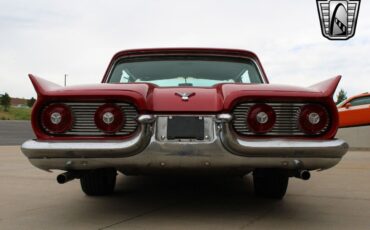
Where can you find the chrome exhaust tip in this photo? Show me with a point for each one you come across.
(67, 176)
(304, 175)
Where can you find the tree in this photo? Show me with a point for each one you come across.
(5, 102)
(30, 102)
(342, 95)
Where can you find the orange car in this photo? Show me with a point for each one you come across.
(355, 111)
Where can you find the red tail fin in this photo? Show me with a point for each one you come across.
(327, 87)
(41, 85)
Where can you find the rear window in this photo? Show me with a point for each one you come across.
(185, 71)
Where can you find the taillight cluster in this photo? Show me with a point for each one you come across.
(58, 118)
(313, 119)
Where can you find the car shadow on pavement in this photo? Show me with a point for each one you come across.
(168, 186)
(175, 200)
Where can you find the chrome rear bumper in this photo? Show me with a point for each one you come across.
(221, 149)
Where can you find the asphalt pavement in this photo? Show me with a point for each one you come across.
(15, 132)
(338, 198)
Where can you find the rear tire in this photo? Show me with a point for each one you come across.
(270, 183)
(98, 182)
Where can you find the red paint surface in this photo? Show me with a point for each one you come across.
(165, 100)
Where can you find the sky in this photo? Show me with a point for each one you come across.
(51, 38)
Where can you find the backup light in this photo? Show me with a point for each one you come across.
(314, 118)
(108, 118)
(56, 118)
(262, 118)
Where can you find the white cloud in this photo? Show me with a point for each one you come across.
(51, 38)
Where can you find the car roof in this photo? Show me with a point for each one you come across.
(210, 51)
(360, 95)
(365, 94)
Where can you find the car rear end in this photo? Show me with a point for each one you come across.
(143, 127)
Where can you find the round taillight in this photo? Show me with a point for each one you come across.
(313, 119)
(261, 118)
(109, 118)
(57, 118)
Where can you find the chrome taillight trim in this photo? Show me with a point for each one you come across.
(84, 124)
(287, 120)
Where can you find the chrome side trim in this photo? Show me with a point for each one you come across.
(91, 149)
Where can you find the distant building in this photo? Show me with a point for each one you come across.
(18, 102)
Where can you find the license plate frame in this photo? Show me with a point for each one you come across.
(185, 127)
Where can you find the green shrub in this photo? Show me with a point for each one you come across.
(16, 114)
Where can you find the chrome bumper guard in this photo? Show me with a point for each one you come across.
(222, 149)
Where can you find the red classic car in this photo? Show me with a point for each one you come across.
(184, 110)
